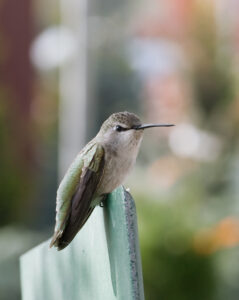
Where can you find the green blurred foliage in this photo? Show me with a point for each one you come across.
(173, 267)
(213, 79)
(212, 61)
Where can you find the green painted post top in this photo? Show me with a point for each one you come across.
(102, 263)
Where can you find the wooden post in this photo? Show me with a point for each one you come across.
(102, 263)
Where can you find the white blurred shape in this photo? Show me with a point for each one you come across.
(53, 47)
(184, 140)
(187, 141)
(150, 56)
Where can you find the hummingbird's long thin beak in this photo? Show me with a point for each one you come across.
(144, 126)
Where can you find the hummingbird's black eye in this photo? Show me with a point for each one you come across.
(120, 128)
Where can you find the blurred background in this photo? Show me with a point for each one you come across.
(65, 67)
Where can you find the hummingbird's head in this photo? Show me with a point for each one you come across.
(124, 129)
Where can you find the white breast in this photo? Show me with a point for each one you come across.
(118, 163)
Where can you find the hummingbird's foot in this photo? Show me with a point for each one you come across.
(102, 202)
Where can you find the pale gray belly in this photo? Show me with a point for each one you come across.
(115, 170)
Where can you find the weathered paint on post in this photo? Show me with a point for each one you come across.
(102, 263)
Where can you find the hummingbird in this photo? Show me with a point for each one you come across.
(99, 168)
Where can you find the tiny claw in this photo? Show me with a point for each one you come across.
(102, 202)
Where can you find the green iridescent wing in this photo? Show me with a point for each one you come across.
(76, 192)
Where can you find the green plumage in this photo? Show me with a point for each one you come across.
(88, 161)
